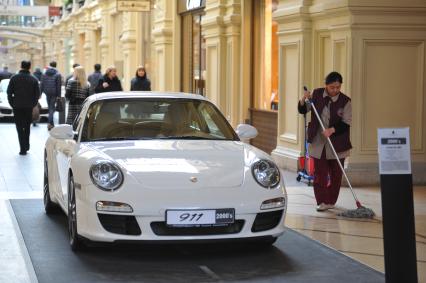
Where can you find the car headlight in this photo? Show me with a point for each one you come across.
(266, 173)
(106, 175)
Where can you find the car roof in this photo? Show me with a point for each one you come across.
(144, 94)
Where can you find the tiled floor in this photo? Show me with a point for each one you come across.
(359, 239)
(22, 177)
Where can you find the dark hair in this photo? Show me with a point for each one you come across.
(333, 77)
(75, 65)
(140, 68)
(52, 64)
(98, 67)
(25, 65)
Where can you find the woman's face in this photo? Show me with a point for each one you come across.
(113, 73)
(141, 73)
(333, 89)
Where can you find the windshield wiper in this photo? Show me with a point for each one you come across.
(120, 139)
(188, 138)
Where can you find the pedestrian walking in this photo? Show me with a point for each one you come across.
(77, 90)
(140, 82)
(5, 74)
(23, 94)
(109, 81)
(72, 74)
(335, 110)
(94, 78)
(50, 84)
(37, 73)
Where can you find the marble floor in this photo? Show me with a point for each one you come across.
(22, 177)
(361, 239)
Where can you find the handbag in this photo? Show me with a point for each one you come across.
(36, 113)
(59, 106)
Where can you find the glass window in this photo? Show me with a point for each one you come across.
(161, 118)
(265, 58)
(193, 54)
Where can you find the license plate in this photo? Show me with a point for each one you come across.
(200, 217)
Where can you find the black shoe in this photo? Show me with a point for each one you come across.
(22, 153)
(34, 125)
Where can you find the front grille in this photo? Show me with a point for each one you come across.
(161, 229)
(266, 220)
(6, 111)
(120, 224)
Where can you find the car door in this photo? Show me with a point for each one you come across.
(64, 152)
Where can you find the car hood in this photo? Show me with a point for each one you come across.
(177, 164)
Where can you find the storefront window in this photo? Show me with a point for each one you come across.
(198, 57)
(193, 47)
(265, 57)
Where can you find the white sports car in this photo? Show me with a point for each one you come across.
(160, 166)
(6, 110)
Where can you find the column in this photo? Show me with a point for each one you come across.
(128, 40)
(165, 72)
(216, 42)
(294, 32)
(105, 35)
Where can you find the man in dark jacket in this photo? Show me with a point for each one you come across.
(94, 78)
(23, 93)
(72, 74)
(5, 74)
(37, 73)
(50, 84)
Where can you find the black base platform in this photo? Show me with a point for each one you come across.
(293, 258)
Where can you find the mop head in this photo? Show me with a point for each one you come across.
(360, 212)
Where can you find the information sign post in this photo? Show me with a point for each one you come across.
(397, 205)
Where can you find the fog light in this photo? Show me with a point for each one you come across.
(112, 206)
(272, 203)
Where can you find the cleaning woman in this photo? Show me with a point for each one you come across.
(335, 110)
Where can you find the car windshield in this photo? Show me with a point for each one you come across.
(3, 85)
(155, 118)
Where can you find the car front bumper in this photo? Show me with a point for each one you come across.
(147, 221)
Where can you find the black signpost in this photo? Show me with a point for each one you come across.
(397, 205)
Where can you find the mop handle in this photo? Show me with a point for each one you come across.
(334, 151)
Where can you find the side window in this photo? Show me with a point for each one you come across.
(79, 120)
(88, 121)
(209, 119)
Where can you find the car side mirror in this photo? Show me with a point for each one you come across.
(62, 132)
(246, 132)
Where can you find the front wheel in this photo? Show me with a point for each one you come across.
(49, 206)
(75, 241)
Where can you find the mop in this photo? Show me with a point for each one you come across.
(360, 211)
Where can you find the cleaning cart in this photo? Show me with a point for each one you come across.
(305, 166)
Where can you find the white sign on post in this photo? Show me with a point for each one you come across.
(394, 151)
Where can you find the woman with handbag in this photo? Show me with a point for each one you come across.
(77, 90)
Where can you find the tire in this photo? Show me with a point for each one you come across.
(75, 241)
(49, 206)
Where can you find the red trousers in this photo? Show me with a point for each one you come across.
(327, 179)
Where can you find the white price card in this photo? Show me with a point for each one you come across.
(394, 151)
